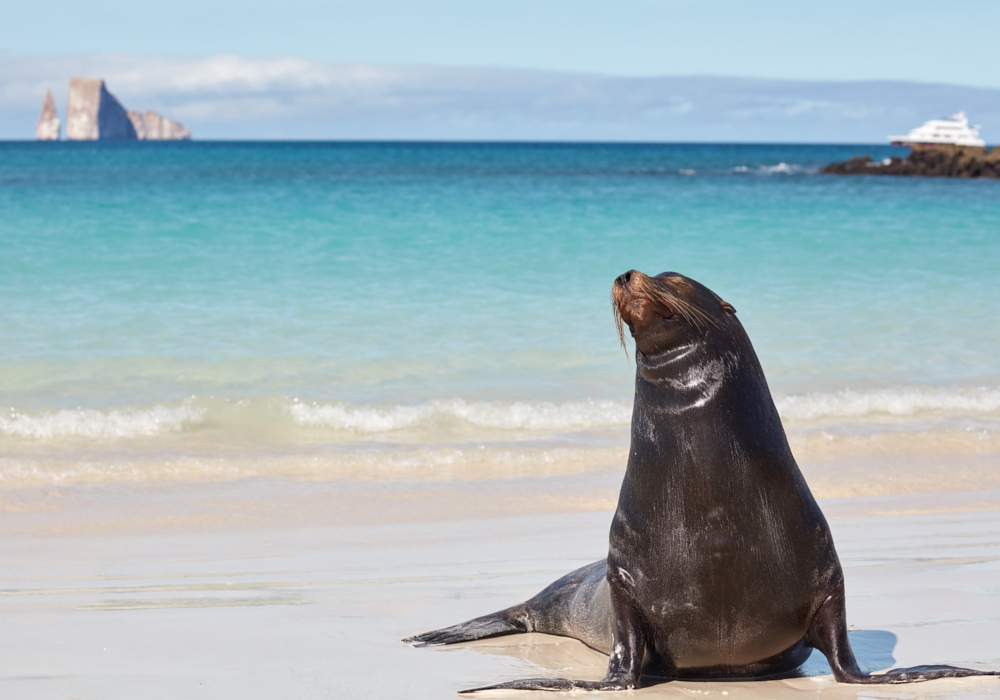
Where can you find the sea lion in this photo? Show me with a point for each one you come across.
(720, 563)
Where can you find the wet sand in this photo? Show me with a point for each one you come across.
(267, 588)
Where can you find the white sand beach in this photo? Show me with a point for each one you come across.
(263, 588)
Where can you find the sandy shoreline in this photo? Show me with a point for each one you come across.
(856, 484)
(270, 588)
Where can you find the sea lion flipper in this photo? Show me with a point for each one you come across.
(915, 674)
(624, 667)
(513, 620)
(575, 605)
(828, 633)
(552, 684)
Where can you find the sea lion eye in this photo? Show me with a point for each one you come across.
(664, 310)
(727, 307)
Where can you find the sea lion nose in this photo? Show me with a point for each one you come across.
(622, 280)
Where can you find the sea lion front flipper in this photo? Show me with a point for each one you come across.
(828, 633)
(624, 667)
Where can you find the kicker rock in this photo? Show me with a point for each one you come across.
(151, 126)
(94, 113)
(47, 128)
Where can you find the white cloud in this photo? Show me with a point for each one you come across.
(232, 96)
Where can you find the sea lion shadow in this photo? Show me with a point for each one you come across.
(873, 649)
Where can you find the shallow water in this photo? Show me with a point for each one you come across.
(445, 306)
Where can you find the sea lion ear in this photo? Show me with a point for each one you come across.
(727, 307)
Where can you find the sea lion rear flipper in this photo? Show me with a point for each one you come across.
(828, 633)
(573, 606)
(552, 684)
(624, 667)
(513, 620)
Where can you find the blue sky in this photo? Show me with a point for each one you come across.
(808, 70)
(950, 42)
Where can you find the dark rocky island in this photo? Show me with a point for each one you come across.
(927, 161)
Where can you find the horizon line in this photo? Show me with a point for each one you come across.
(457, 141)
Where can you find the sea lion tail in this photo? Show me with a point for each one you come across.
(513, 620)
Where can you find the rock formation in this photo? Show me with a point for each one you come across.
(47, 128)
(94, 113)
(154, 127)
(927, 161)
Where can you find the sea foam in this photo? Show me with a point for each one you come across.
(598, 414)
(781, 168)
(516, 415)
(896, 401)
(93, 423)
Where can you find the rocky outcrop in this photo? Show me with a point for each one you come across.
(927, 161)
(150, 126)
(94, 114)
(47, 128)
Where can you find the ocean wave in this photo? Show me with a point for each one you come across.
(784, 169)
(897, 401)
(93, 423)
(516, 415)
(388, 463)
(282, 417)
(598, 414)
(781, 168)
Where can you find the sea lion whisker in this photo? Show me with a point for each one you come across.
(688, 311)
(619, 321)
(700, 315)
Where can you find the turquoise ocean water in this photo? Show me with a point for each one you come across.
(202, 301)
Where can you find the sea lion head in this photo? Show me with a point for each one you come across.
(667, 313)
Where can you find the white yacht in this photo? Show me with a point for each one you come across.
(954, 131)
